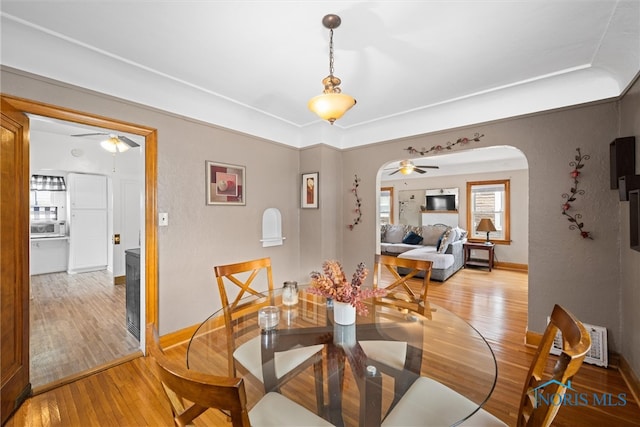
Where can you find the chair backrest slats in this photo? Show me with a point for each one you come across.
(242, 276)
(535, 411)
(201, 391)
(400, 292)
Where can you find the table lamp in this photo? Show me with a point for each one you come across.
(486, 225)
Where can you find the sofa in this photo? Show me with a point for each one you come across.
(438, 243)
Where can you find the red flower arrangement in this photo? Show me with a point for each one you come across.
(332, 284)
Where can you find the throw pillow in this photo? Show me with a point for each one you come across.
(394, 234)
(447, 238)
(431, 234)
(461, 233)
(412, 239)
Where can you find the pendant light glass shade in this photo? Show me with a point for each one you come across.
(114, 145)
(331, 106)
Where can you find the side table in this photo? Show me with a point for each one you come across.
(478, 262)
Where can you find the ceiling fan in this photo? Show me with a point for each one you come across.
(115, 143)
(406, 167)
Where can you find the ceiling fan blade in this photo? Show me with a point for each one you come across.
(395, 171)
(428, 167)
(419, 170)
(91, 134)
(128, 141)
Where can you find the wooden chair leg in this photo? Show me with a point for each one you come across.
(319, 380)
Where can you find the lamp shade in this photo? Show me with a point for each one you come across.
(486, 225)
(331, 106)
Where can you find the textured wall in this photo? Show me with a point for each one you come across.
(320, 229)
(198, 236)
(630, 259)
(582, 275)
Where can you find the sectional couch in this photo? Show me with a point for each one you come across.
(438, 243)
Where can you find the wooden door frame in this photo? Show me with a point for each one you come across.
(150, 180)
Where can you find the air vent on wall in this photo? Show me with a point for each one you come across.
(597, 354)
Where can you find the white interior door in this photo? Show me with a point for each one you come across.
(130, 238)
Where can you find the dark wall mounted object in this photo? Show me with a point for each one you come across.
(634, 219)
(132, 262)
(626, 184)
(622, 155)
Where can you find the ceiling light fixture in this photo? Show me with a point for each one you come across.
(332, 104)
(114, 145)
(406, 167)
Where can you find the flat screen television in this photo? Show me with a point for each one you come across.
(441, 202)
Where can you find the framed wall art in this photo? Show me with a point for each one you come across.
(309, 186)
(226, 184)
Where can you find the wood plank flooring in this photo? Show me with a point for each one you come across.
(78, 322)
(494, 302)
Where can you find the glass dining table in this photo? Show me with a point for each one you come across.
(368, 366)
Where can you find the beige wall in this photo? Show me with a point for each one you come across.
(198, 236)
(630, 259)
(517, 251)
(581, 274)
(584, 275)
(321, 229)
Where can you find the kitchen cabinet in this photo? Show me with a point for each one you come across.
(48, 255)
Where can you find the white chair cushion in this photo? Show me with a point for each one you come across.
(391, 353)
(428, 402)
(276, 410)
(249, 356)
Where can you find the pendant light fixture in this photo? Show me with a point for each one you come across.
(332, 104)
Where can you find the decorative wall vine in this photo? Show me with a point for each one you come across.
(574, 219)
(357, 210)
(449, 145)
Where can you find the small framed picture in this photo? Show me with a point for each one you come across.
(309, 196)
(226, 184)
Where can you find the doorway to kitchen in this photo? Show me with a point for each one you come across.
(147, 238)
(79, 305)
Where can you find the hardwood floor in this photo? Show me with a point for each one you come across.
(78, 322)
(494, 302)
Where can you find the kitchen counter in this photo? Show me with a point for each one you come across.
(45, 239)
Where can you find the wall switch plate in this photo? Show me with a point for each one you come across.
(163, 219)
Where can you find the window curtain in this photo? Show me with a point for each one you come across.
(48, 183)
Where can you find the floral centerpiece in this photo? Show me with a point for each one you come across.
(333, 284)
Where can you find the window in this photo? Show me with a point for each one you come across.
(488, 199)
(386, 205)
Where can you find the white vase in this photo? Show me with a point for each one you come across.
(344, 313)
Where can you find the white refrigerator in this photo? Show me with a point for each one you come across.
(88, 220)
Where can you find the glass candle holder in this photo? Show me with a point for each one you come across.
(268, 317)
(290, 293)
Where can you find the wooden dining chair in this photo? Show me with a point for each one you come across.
(400, 293)
(391, 355)
(430, 400)
(191, 393)
(243, 277)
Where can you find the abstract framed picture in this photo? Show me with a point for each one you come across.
(309, 186)
(226, 184)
